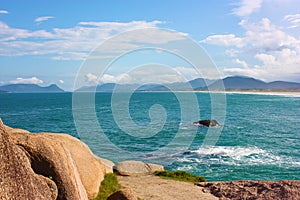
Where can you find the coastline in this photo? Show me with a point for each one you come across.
(81, 181)
(256, 92)
(287, 93)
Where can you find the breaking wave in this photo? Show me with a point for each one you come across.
(235, 155)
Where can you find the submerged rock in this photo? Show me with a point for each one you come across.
(57, 159)
(207, 123)
(132, 168)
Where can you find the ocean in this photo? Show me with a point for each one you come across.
(258, 139)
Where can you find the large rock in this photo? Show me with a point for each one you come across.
(123, 194)
(132, 168)
(90, 168)
(17, 179)
(65, 160)
(248, 190)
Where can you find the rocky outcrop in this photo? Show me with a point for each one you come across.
(89, 167)
(207, 123)
(59, 159)
(123, 194)
(248, 190)
(132, 168)
(17, 179)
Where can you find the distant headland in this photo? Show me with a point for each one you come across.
(29, 88)
(232, 83)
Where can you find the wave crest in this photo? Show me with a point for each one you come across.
(235, 155)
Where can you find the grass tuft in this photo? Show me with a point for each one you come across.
(180, 176)
(108, 186)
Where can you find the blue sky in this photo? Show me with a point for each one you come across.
(46, 42)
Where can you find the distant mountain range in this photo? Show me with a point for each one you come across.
(29, 88)
(248, 83)
(229, 83)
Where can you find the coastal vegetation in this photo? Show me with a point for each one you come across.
(108, 186)
(180, 176)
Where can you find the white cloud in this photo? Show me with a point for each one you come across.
(256, 72)
(266, 58)
(294, 20)
(11, 37)
(275, 54)
(280, 65)
(147, 74)
(4, 12)
(75, 43)
(32, 80)
(264, 36)
(121, 78)
(247, 7)
(224, 40)
(152, 74)
(232, 52)
(61, 81)
(187, 73)
(121, 26)
(91, 78)
(241, 62)
(43, 18)
(71, 56)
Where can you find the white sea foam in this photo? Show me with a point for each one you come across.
(236, 155)
(286, 94)
(230, 151)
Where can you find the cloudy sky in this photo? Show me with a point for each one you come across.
(46, 42)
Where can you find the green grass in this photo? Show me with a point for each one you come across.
(180, 176)
(108, 186)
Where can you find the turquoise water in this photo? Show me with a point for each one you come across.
(260, 138)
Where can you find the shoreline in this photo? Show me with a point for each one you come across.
(254, 92)
(275, 93)
(70, 157)
(288, 93)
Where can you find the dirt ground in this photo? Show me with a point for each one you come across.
(153, 187)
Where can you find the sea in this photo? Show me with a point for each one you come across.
(258, 137)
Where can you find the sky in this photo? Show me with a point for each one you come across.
(46, 42)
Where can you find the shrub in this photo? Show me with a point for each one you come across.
(180, 176)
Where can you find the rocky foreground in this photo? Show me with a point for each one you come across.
(58, 166)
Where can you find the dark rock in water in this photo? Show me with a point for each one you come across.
(261, 190)
(187, 153)
(207, 123)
